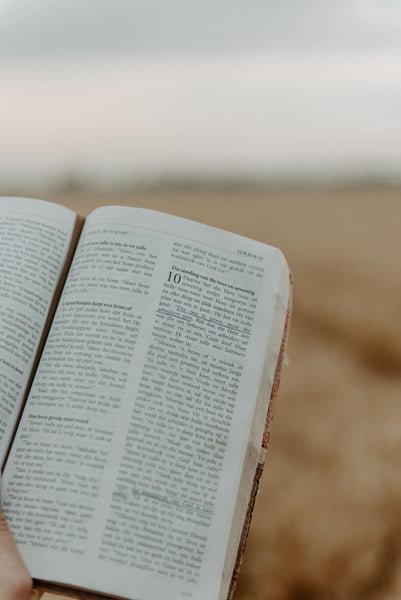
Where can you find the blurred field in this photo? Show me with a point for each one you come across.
(327, 523)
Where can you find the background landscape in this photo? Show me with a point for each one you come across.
(279, 120)
(327, 522)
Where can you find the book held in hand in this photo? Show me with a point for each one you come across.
(140, 355)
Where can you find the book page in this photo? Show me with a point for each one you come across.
(34, 241)
(132, 443)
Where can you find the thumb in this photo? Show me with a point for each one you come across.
(15, 581)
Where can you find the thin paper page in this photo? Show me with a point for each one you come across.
(34, 241)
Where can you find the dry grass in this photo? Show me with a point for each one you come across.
(327, 523)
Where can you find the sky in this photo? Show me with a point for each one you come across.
(257, 88)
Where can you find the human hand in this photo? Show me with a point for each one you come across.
(15, 581)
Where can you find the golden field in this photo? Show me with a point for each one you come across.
(327, 522)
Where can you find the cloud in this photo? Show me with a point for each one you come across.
(45, 28)
(252, 86)
(259, 114)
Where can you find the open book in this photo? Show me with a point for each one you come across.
(134, 393)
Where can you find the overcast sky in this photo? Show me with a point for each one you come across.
(255, 87)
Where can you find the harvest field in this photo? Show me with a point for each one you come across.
(327, 522)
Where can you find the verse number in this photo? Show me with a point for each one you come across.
(175, 277)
